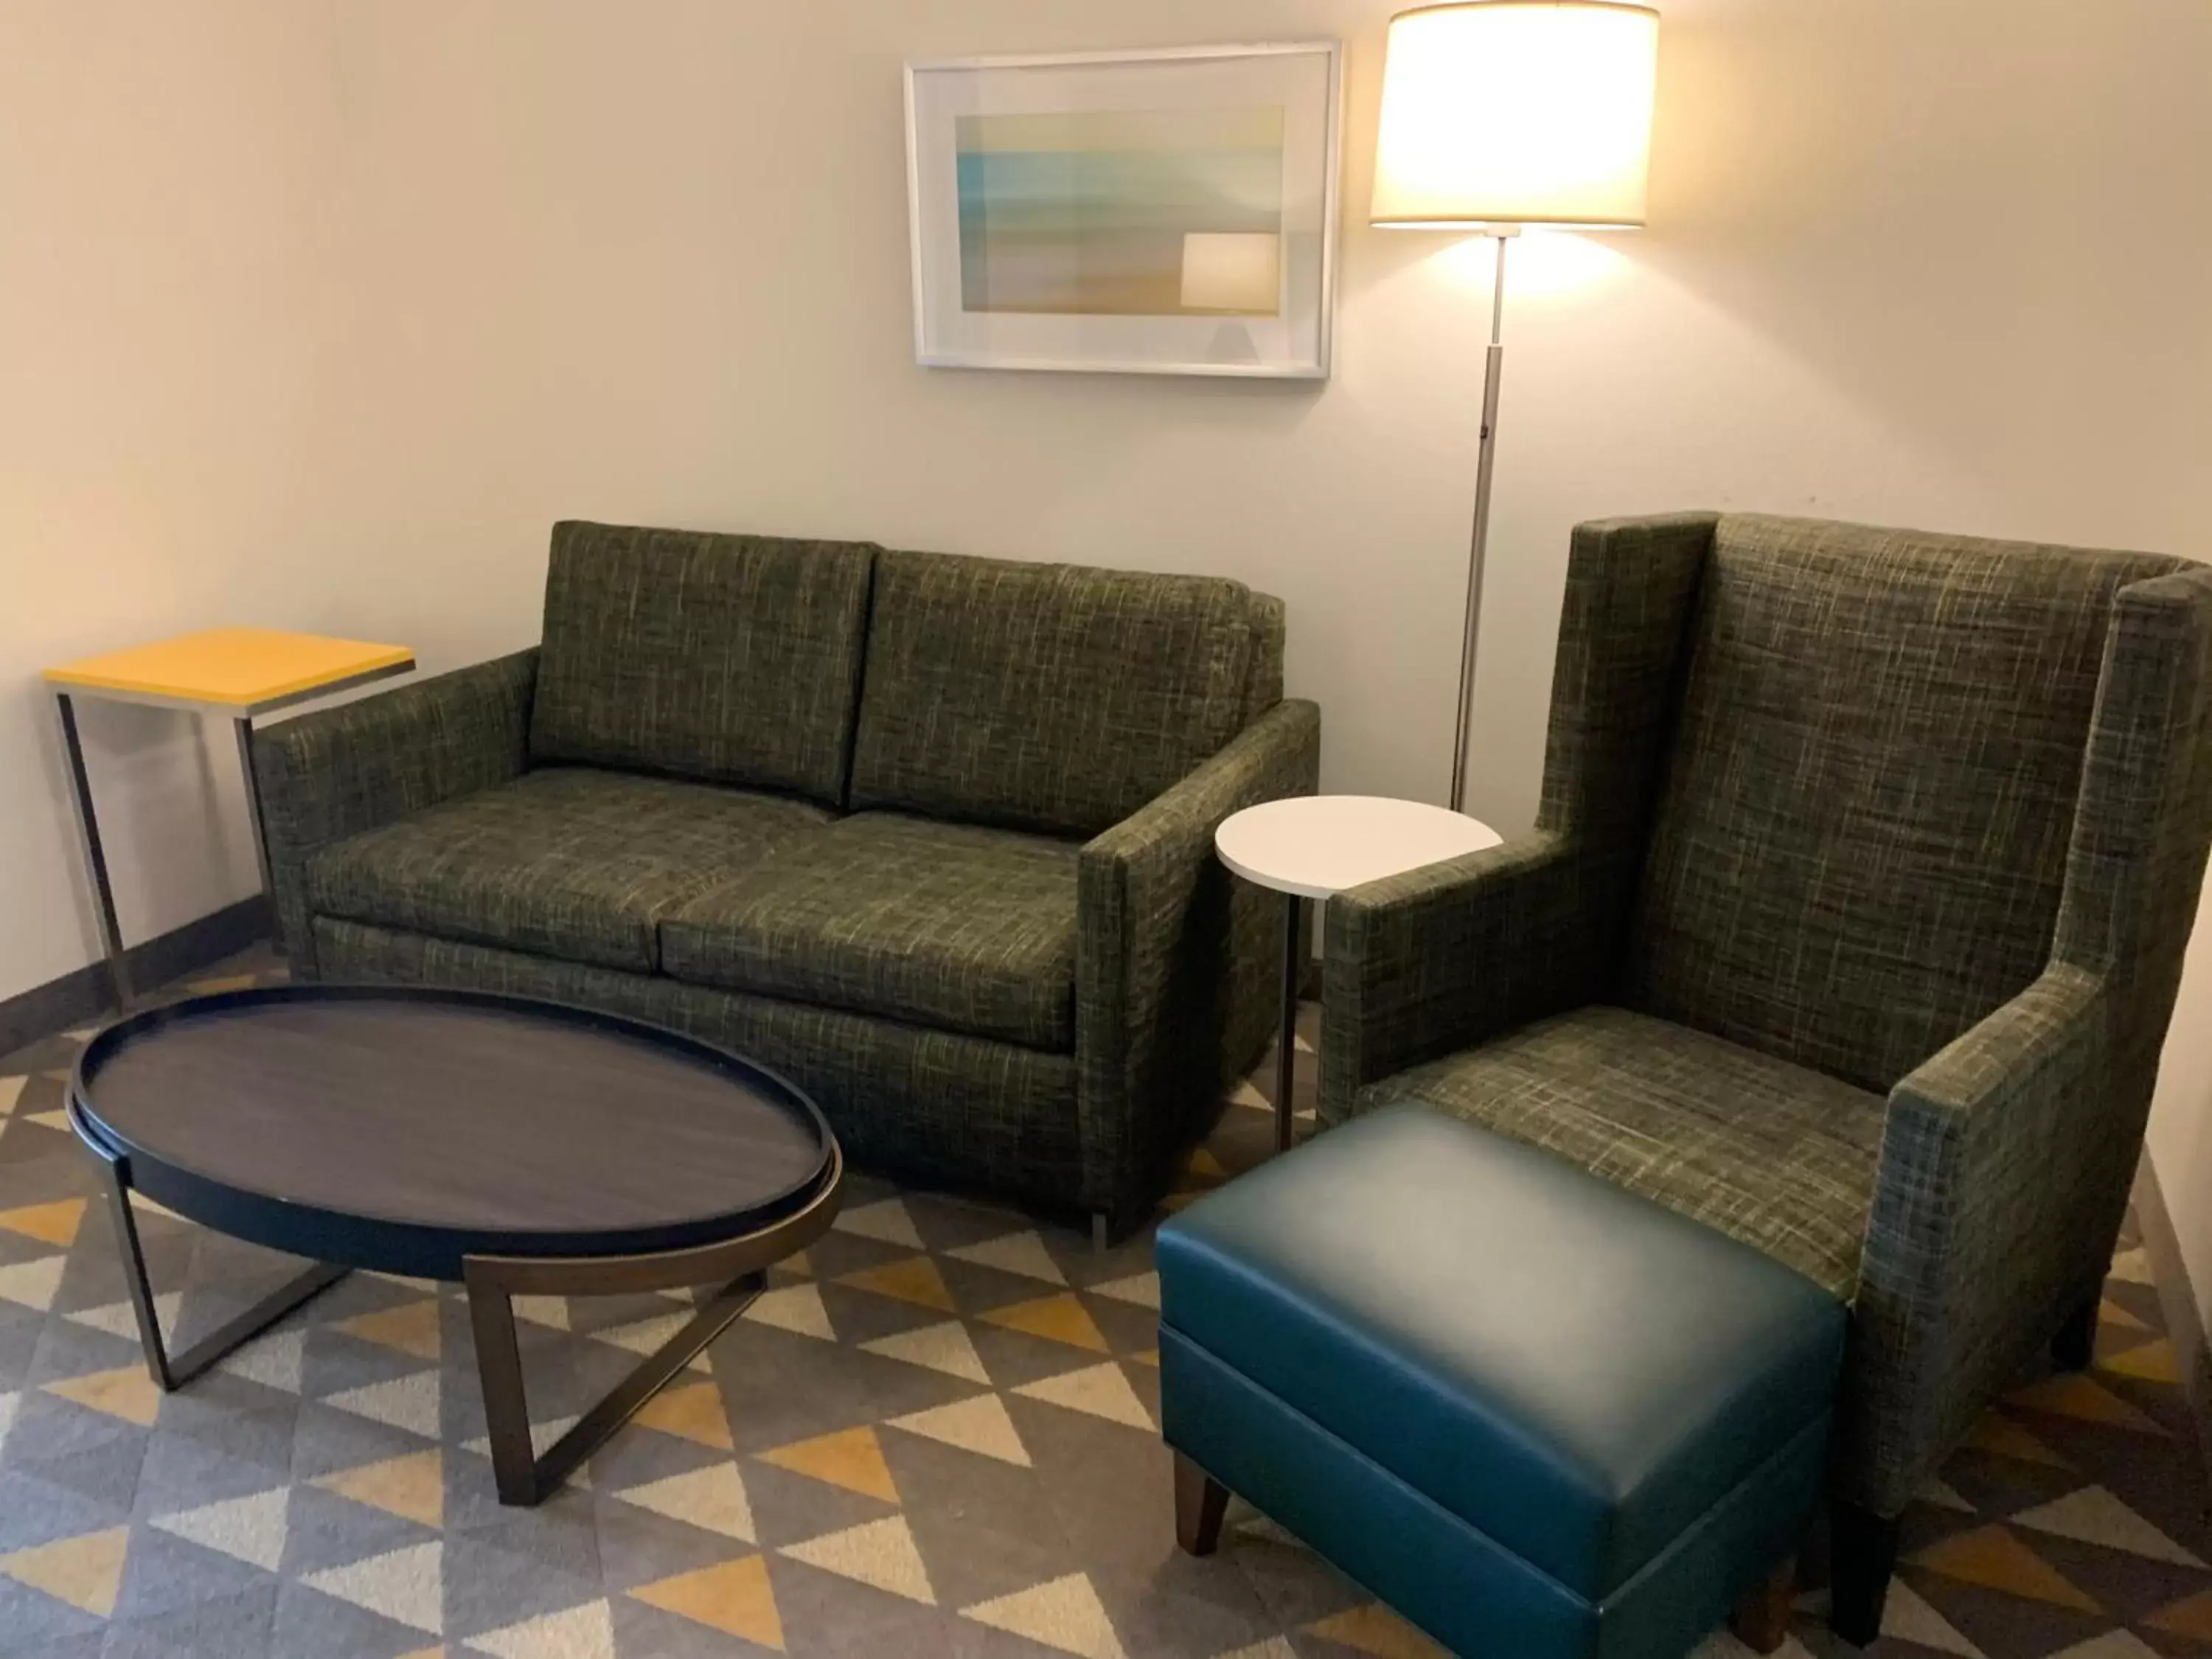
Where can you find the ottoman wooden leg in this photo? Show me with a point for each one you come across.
(1761, 1618)
(1200, 1502)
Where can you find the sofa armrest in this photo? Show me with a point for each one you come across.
(1452, 954)
(1158, 955)
(1973, 1254)
(334, 773)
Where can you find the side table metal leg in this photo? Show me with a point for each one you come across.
(170, 1372)
(95, 859)
(244, 727)
(1286, 1055)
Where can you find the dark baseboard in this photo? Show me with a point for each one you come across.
(2176, 1300)
(80, 998)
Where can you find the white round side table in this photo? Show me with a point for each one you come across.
(1314, 847)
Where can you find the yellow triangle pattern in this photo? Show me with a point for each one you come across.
(412, 1328)
(2070, 1394)
(54, 1223)
(1995, 1559)
(412, 1486)
(693, 1413)
(2110, 1312)
(851, 1458)
(912, 1278)
(1059, 1318)
(2154, 1362)
(86, 1573)
(125, 1392)
(1375, 1629)
(2191, 1617)
(734, 1597)
(2002, 1438)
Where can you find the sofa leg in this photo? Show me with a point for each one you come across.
(1760, 1619)
(1101, 1232)
(1201, 1501)
(2076, 1344)
(1862, 1552)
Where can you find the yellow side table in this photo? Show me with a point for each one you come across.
(240, 672)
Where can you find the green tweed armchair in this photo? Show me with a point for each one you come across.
(1850, 926)
(931, 835)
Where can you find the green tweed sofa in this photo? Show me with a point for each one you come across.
(1850, 926)
(931, 835)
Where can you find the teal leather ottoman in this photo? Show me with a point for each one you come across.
(1538, 1415)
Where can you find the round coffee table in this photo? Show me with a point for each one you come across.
(1314, 846)
(519, 1147)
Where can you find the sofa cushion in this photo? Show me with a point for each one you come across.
(1043, 697)
(953, 927)
(1862, 841)
(564, 862)
(1770, 1153)
(1579, 1374)
(730, 659)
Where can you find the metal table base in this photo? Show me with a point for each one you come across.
(523, 1476)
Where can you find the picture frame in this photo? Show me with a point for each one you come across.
(1160, 211)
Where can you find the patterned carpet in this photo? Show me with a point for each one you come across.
(933, 1436)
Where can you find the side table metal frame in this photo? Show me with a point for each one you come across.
(1279, 864)
(242, 717)
(1286, 1055)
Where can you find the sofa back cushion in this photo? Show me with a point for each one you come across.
(1043, 697)
(728, 658)
(1861, 844)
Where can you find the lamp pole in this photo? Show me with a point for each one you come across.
(1486, 456)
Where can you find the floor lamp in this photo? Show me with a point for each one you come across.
(1499, 114)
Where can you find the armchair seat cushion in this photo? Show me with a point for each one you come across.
(1778, 1157)
(947, 926)
(566, 862)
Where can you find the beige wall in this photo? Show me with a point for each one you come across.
(316, 313)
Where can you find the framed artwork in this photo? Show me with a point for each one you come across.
(1169, 212)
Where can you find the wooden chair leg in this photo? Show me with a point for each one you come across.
(1761, 1618)
(1201, 1501)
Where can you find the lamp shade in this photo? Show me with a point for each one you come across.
(1517, 111)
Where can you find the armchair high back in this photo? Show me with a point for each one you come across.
(1851, 925)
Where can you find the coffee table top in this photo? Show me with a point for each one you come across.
(1316, 846)
(405, 1128)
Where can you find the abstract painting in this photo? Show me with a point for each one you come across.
(1094, 212)
(1171, 212)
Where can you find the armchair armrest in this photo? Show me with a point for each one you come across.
(1162, 945)
(328, 775)
(1991, 1159)
(1452, 954)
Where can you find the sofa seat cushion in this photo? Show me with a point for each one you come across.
(1768, 1152)
(566, 862)
(1579, 1375)
(947, 926)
